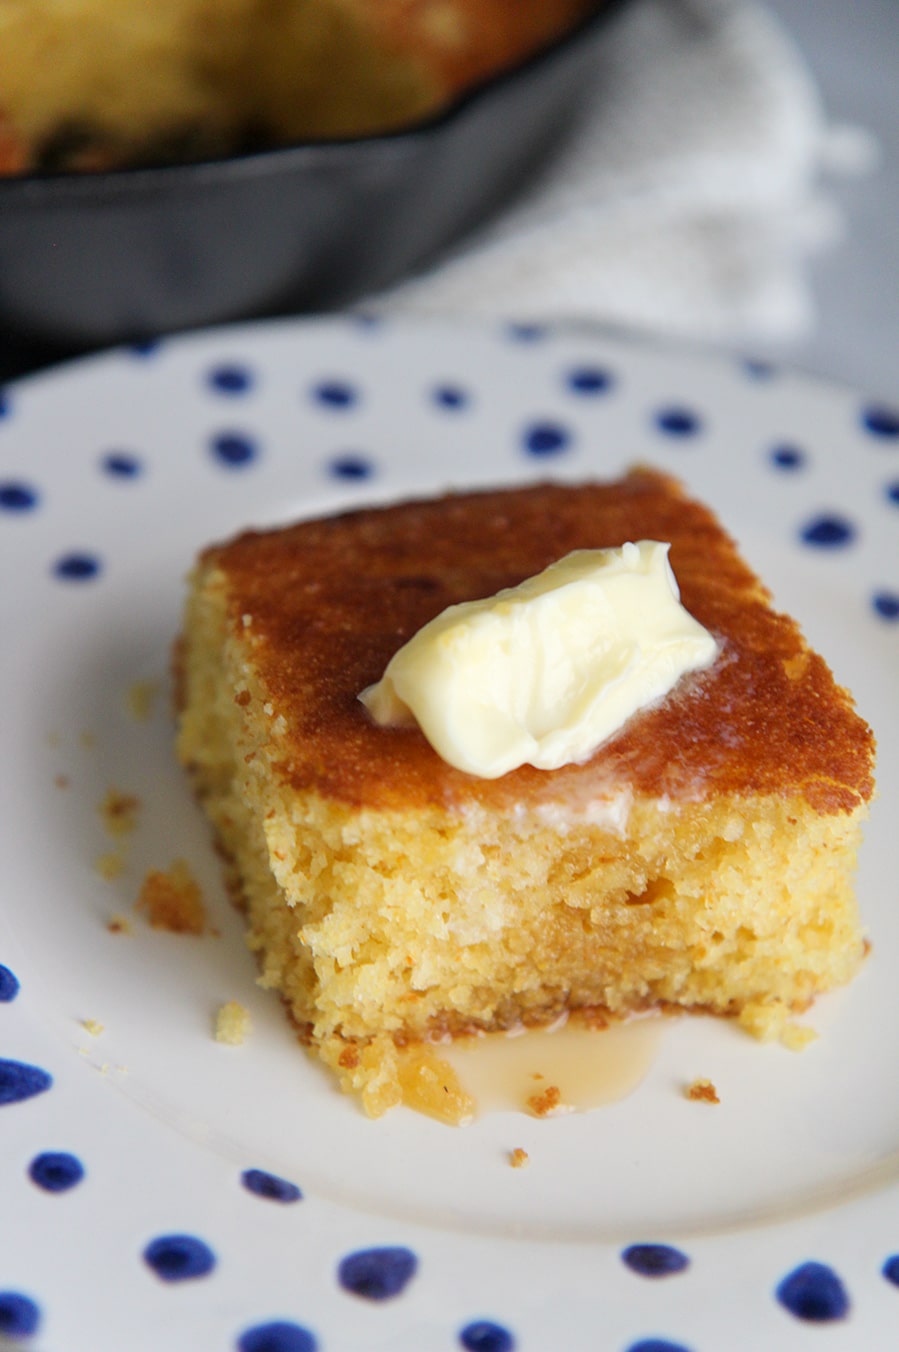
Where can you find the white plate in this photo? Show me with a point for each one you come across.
(113, 472)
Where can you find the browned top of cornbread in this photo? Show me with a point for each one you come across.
(331, 600)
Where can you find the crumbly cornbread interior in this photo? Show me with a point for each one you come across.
(389, 919)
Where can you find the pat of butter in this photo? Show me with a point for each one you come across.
(544, 672)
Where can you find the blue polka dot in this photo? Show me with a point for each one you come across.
(892, 493)
(279, 1336)
(234, 450)
(815, 1293)
(485, 1336)
(77, 567)
(546, 439)
(351, 467)
(590, 380)
(655, 1260)
(881, 421)
(20, 1316)
(56, 1171)
(525, 333)
(146, 347)
(787, 457)
(121, 465)
(18, 497)
(377, 1274)
(20, 1081)
(756, 369)
(178, 1258)
(886, 605)
(9, 985)
(335, 394)
(230, 379)
(270, 1186)
(828, 531)
(676, 421)
(657, 1345)
(452, 398)
(890, 1269)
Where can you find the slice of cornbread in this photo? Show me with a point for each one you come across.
(701, 858)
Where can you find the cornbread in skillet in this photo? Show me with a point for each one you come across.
(93, 85)
(702, 858)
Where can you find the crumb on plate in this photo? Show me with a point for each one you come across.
(172, 900)
(232, 1024)
(702, 1091)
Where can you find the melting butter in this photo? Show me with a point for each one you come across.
(544, 672)
(569, 1067)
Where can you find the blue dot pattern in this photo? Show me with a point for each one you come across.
(377, 1274)
(813, 1292)
(77, 567)
(56, 1171)
(351, 466)
(178, 1258)
(20, 1081)
(590, 380)
(234, 450)
(828, 531)
(787, 457)
(756, 369)
(233, 380)
(451, 397)
(881, 422)
(892, 492)
(121, 465)
(18, 497)
(270, 1186)
(9, 985)
(546, 439)
(657, 1345)
(278, 1336)
(886, 605)
(678, 422)
(655, 1260)
(890, 1269)
(336, 394)
(20, 1316)
(485, 1336)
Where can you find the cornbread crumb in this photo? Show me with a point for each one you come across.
(118, 924)
(119, 812)
(172, 900)
(764, 1020)
(232, 1024)
(796, 1036)
(141, 699)
(92, 1026)
(110, 865)
(702, 1091)
(549, 1103)
(518, 1158)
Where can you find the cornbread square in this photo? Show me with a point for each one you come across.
(700, 859)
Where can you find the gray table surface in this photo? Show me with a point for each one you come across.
(852, 50)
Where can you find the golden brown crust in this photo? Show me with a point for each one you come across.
(324, 605)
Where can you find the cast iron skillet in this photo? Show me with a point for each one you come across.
(92, 259)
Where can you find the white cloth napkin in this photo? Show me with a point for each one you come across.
(687, 201)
